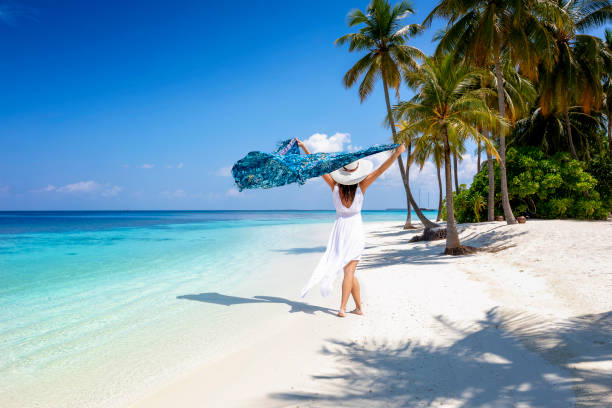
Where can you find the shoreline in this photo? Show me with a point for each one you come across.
(435, 326)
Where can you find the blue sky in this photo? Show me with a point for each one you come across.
(146, 105)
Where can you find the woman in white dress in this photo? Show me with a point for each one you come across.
(346, 241)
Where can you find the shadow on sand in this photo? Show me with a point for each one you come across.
(225, 300)
(487, 365)
(431, 252)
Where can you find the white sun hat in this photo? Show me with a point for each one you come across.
(352, 173)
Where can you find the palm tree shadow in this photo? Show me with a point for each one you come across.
(487, 365)
(226, 300)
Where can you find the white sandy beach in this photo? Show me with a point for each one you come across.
(529, 326)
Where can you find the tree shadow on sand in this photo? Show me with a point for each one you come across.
(431, 252)
(225, 300)
(490, 364)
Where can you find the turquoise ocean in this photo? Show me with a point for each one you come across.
(93, 303)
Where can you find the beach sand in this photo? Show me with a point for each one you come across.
(529, 326)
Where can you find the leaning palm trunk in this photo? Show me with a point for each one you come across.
(440, 196)
(455, 168)
(426, 223)
(453, 245)
(502, 143)
(491, 213)
(570, 140)
(408, 224)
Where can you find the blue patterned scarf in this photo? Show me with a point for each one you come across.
(286, 165)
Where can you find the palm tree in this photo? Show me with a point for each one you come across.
(479, 154)
(607, 86)
(434, 150)
(482, 31)
(575, 78)
(457, 153)
(438, 163)
(479, 205)
(384, 39)
(549, 133)
(519, 96)
(445, 108)
(491, 199)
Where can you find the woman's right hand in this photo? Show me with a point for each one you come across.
(303, 146)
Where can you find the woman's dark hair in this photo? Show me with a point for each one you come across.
(347, 193)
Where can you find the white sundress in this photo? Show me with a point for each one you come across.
(345, 244)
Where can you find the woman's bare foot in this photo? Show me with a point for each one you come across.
(341, 313)
(357, 312)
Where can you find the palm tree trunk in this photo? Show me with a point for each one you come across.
(610, 132)
(408, 224)
(440, 196)
(426, 223)
(491, 171)
(502, 142)
(491, 213)
(587, 150)
(570, 141)
(479, 151)
(455, 167)
(453, 245)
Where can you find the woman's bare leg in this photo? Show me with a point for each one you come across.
(347, 285)
(356, 296)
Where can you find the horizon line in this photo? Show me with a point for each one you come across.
(192, 210)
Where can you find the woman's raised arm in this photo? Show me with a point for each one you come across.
(366, 182)
(330, 181)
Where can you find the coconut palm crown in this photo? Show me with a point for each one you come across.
(575, 78)
(384, 38)
(447, 109)
(482, 31)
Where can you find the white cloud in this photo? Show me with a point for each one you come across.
(83, 187)
(50, 187)
(392, 176)
(125, 166)
(321, 143)
(80, 187)
(147, 166)
(467, 169)
(180, 165)
(169, 166)
(224, 171)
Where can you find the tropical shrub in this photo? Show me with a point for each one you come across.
(601, 169)
(542, 186)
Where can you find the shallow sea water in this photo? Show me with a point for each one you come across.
(96, 307)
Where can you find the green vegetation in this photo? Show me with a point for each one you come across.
(522, 79)
(544, 186)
